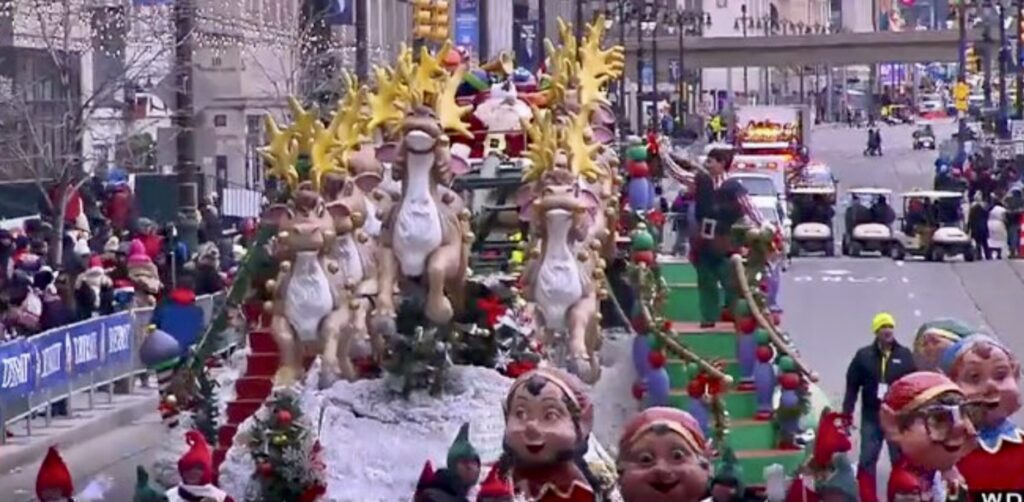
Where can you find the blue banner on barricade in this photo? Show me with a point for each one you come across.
(18, 372)
(86, 346)
(117, 337)
(52, 358)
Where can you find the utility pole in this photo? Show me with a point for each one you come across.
(743, 19)
(986, 53)
(1020, 59)
(961, 132)
(655, 112)
(483, 34)
(1001, 127)
(184, 123)
(640, 71)
(621, 83)
(542, 22)
(578, 26)
(362, 41)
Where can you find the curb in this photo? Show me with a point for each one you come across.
(14, 456)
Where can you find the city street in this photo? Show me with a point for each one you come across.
(829, 302)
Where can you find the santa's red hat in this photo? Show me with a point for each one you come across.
(197, 457)
(95, 265)
(54, 475)
(494, 486)
(123, 286)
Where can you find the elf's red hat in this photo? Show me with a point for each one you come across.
(54, 475)
(197, 457)
(677, 421)
(494, 486)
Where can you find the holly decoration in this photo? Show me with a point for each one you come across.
(286, 453)
(204, 408)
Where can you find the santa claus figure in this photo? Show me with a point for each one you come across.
(989, 373)
(196, 470)
(53, 483)
(663, 457)
(928, 417)
(548, 420)
(831, 439)
(94, 295)
(932, 340)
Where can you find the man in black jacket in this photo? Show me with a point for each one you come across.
(871, 371)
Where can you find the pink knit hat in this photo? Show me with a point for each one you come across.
(137, 254)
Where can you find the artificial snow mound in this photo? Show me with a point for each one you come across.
(375, 442)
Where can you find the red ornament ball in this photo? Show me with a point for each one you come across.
(789, 381)
(727, 315)
(284, 417)
(638, 390)
(639, 325)
(776, 318)
(666, 326)
(265, 469)
(645, 257)
(657, 359)
(765, 353)
(696, 388)
(746, 325)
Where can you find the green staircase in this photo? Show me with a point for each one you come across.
(754, 441)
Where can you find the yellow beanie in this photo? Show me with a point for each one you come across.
(882, 319)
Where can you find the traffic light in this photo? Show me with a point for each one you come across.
(440, 20)
(422, 18)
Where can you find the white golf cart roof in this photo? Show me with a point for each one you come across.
(869, 191)
(931, 194)
(718, 146)
(812, 191)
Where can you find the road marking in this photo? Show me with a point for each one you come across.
(840, 279)
(904, 280)
(835, 272)
(899, 263)
(910, 295)
(917, 313)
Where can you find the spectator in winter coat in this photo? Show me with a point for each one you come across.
(93, 291)
(997, 238)
(209, 280)
(977, 226)
(1014, 204)
(178, 315)
(6, 256)
(54, 312)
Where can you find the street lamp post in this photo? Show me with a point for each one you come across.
(743, 19)
(655, 118)
(622, 42)
(961, 133)
(184, 122)
(1001, 125)
(1020, 59)
(639, 74)
(687, 20)
(986, 53)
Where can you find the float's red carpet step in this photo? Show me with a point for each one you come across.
(251, 389)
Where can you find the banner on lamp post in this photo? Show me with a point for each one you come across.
(467, 24)
(525, 44)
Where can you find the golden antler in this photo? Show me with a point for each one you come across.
(348, 122)
(281, 152)
(597, 66)
(449, 113)
(386, 104)
(303, 124)
(561, 63)
(582, 150)
(326, 152)
(429, 69)
(542, 147)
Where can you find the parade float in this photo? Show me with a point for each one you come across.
(372, 340)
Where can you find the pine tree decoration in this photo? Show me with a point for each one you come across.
(204, 408)
(286, 452)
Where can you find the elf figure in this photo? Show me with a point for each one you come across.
(830, 440)
(841, 484)
(928, 417)
(143, 491)
(53, 483)
(161, 353)
(495, 488)
(988, 372)
(196, 470)
(460, 474)
(932, 340)
(663, 457)
(727, 484)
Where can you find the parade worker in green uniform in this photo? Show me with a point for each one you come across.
(720, 203)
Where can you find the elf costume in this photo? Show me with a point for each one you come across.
(841, 482)
(143, 491)
(648, 463)
(727, 483)
(447, 484)
(196, 470)
(986, 370)
(933, 338)
(495, 488)
(831, 440)
(53, 482)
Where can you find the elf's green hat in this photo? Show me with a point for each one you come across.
(461, 448)
(728, 470)
(143, 491)
(842, 479)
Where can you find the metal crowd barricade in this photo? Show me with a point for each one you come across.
(99, 354)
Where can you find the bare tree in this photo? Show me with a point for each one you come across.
(86, 57)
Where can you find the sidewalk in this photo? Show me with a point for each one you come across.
(107, 415)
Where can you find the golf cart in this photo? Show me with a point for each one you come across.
(924, 136)
(812, 211)
(932, 227)
(897, 114)
(866, 229)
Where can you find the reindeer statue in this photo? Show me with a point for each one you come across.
(425, 238)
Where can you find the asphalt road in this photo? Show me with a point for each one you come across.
(829, 302)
